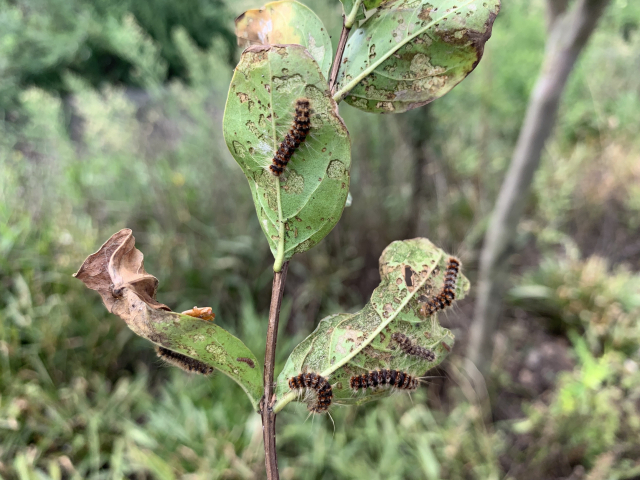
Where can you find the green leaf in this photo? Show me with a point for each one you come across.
(204, 341)
(411, 52)
(343, 345)
(283, 23)
(116, 271)
(348, 5)
(352, 11)
(299, 208)
(369, 4)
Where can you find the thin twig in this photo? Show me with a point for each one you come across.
(268, 416)
(347, 22)
(333, 77)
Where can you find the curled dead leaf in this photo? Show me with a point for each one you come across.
(189, 340)
(117, 270)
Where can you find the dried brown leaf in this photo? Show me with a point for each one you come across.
(116, 269)
(189, 339)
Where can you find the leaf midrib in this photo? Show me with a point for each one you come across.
(340, 94)
(326, 373)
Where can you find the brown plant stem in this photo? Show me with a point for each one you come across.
(268, 416)
(333, 77)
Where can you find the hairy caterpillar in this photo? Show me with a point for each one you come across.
(447, 295)
(187, 364)
(313, 381)
(292, 140)
(407, 345)
(381, 378)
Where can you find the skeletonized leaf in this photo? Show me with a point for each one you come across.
(312, 193)
(343, 345)
(286, 22)
(117, 273)
(411, 52)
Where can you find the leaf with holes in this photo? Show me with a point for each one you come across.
(297, 209)
(286, 22)
(411, 52)
(412, 273)
(116, 271)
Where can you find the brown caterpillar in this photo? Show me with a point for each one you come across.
(187, 364)
(381, 378)
(407, 346)
(293, 139)
(447, 295)
(323, 390)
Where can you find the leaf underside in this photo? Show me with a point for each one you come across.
(424, 49)
(259, 112)
(286, 22)
(411, 271)
(116, 272)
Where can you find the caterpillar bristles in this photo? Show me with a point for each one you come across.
(447, 295)
(408, 346)
(383, 378)
(292, 140)
(187, 364)
(323, 389)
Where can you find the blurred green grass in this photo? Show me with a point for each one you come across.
(82, 397)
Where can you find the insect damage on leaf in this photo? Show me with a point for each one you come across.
(266, 119)
(190, 340)
(388, 334)
(408, 54)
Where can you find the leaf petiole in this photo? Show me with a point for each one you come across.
(351, 18)
(277, 264)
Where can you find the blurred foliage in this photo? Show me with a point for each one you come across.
(593, 420)
(587, 295)
(82, 397)
(48, 44)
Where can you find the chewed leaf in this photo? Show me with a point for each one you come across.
(389, 332)
(286, 22)
(310, 196)
(116, 271)
(411, 52)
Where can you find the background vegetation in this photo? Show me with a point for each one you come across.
(82, 397)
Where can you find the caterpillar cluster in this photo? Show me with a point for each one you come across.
(293, 139)
(187, 364)
(319, 384)
(407, 346)
(381, 378)
(447, 295)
